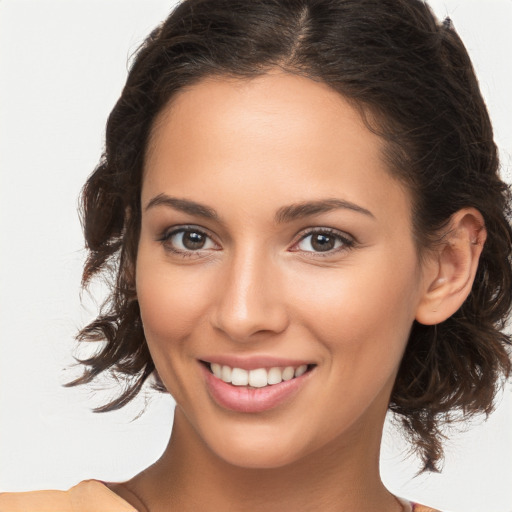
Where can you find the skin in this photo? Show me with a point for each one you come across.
(245, 150)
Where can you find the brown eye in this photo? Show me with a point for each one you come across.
(323, 241)
(193, 240)
(188, 240)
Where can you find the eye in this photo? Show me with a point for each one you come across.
(187, 240)
(324, 241)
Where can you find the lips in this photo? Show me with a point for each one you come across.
(255, 385)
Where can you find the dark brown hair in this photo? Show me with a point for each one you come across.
(413, 80)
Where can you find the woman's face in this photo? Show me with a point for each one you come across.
(274, 237)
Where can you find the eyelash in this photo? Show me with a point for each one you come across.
(347, 242)
(165, 240)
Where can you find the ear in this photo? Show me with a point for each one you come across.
(449, 273)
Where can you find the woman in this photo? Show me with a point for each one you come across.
(303, 202)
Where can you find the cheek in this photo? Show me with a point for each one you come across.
(172, 301)
(363, 307)
(172, 305)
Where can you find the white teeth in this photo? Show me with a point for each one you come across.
(216, 369)
(288, 373)
(226, 374)
(275, 376)
(239, 377)
(301, 370)
(257, 378)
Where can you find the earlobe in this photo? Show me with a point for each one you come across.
(451, 270)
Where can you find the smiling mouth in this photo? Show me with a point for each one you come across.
(258, 377)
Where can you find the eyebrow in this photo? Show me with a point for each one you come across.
(283, 215)
(183, 205)
(307, 208)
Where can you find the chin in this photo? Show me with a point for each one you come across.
(258, 458)
(259, 447)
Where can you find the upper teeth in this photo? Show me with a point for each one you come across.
(257, 378)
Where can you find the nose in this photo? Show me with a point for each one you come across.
(250, 300)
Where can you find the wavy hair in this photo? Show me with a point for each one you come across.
(411, 77)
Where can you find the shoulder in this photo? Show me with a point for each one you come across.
(410, 506)
(87, 496)
(415, 507)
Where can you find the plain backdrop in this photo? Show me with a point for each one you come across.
(62, 67)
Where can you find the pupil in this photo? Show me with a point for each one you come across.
(322, 242)
(193, 240)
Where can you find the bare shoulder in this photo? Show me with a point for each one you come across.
(422, 508)
(42, 501)
(87, 496)
(412, 506)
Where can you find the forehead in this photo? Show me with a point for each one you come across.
(280, 138)
(274, 111)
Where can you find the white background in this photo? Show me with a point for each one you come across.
(62, 66)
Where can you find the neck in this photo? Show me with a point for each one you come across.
(342, 476)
